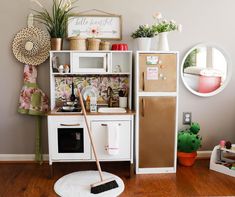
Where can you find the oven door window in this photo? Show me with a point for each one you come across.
(70, 140)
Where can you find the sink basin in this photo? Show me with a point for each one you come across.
(112, 110)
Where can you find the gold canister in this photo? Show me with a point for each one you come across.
(104, 45)
(77, 43)
(56, 44)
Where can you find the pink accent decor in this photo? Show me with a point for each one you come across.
(208, 84)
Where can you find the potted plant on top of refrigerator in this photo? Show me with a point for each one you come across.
(143, 36)
(188, 143)
(56, 20)
(161, 28)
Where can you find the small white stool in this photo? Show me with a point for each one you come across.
(77, 184)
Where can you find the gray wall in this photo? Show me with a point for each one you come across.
(203, 21)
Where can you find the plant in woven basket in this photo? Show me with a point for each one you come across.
(188, 140)
(56, 20)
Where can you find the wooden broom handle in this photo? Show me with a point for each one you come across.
(90, 136)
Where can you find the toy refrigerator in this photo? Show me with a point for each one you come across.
(156, 94)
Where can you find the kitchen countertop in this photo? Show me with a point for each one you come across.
(55, 113)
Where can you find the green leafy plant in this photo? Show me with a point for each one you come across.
(144, 31)
(188, 140)
(56, 22)
(163, 25)
(191, 59)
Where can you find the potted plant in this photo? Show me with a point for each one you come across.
(93, 42)
(161, 28)
(188, 143)
(143, 35)
(56, 21)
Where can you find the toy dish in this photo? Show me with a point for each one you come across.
(68, 108)
(89, 91)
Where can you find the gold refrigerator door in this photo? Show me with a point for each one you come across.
(156, 131)
(157, 75)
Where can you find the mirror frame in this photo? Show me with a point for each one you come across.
(229, 70)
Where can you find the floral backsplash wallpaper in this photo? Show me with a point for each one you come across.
(98, 83)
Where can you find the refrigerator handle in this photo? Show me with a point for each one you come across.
(143, 82)
(143, 106)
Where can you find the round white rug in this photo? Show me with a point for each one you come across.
(77, 184)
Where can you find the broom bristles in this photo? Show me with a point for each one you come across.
(103, 186)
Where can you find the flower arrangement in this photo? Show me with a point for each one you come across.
(144, 31)
(163, 25)
(56, 22)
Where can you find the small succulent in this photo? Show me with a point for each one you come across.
(189, 140)
(144, 31)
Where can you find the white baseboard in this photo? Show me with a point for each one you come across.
(30, 157)
(204, 154)
(21, 157)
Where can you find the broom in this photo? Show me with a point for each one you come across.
(103, 185)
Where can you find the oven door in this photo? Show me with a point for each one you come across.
(90, 62)
(69, 139)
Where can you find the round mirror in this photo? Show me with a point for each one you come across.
(206, 70)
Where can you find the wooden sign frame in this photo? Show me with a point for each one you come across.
(102, 26)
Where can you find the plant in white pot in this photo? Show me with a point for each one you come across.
(56, 20)
(161, 28)
(143, 36)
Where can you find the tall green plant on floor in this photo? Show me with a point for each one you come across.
(56, 20)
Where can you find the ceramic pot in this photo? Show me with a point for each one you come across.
(163, 44)
(143, 44)
(186, 159)
(120, 47)
(56, 44)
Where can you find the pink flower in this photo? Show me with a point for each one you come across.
(157, 15)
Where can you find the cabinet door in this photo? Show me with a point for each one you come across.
(100, 134)
(160, 76)
(157, 131)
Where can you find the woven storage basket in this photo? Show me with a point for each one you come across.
(104, 45)
(77, 43)
(93, 44)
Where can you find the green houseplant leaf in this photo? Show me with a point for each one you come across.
(56, 21)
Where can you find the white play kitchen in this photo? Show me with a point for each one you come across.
(105, 81)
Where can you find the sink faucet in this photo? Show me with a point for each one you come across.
(110, 96)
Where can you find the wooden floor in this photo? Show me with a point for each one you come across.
(32, 180)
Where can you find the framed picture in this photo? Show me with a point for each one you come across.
(96, 26)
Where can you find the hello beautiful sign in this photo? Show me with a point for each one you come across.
(96, 26)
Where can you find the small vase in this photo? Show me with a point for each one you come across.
(56, 44)
(163, 42)
(144, 44)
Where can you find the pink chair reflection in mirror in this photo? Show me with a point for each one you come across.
(209, 84)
